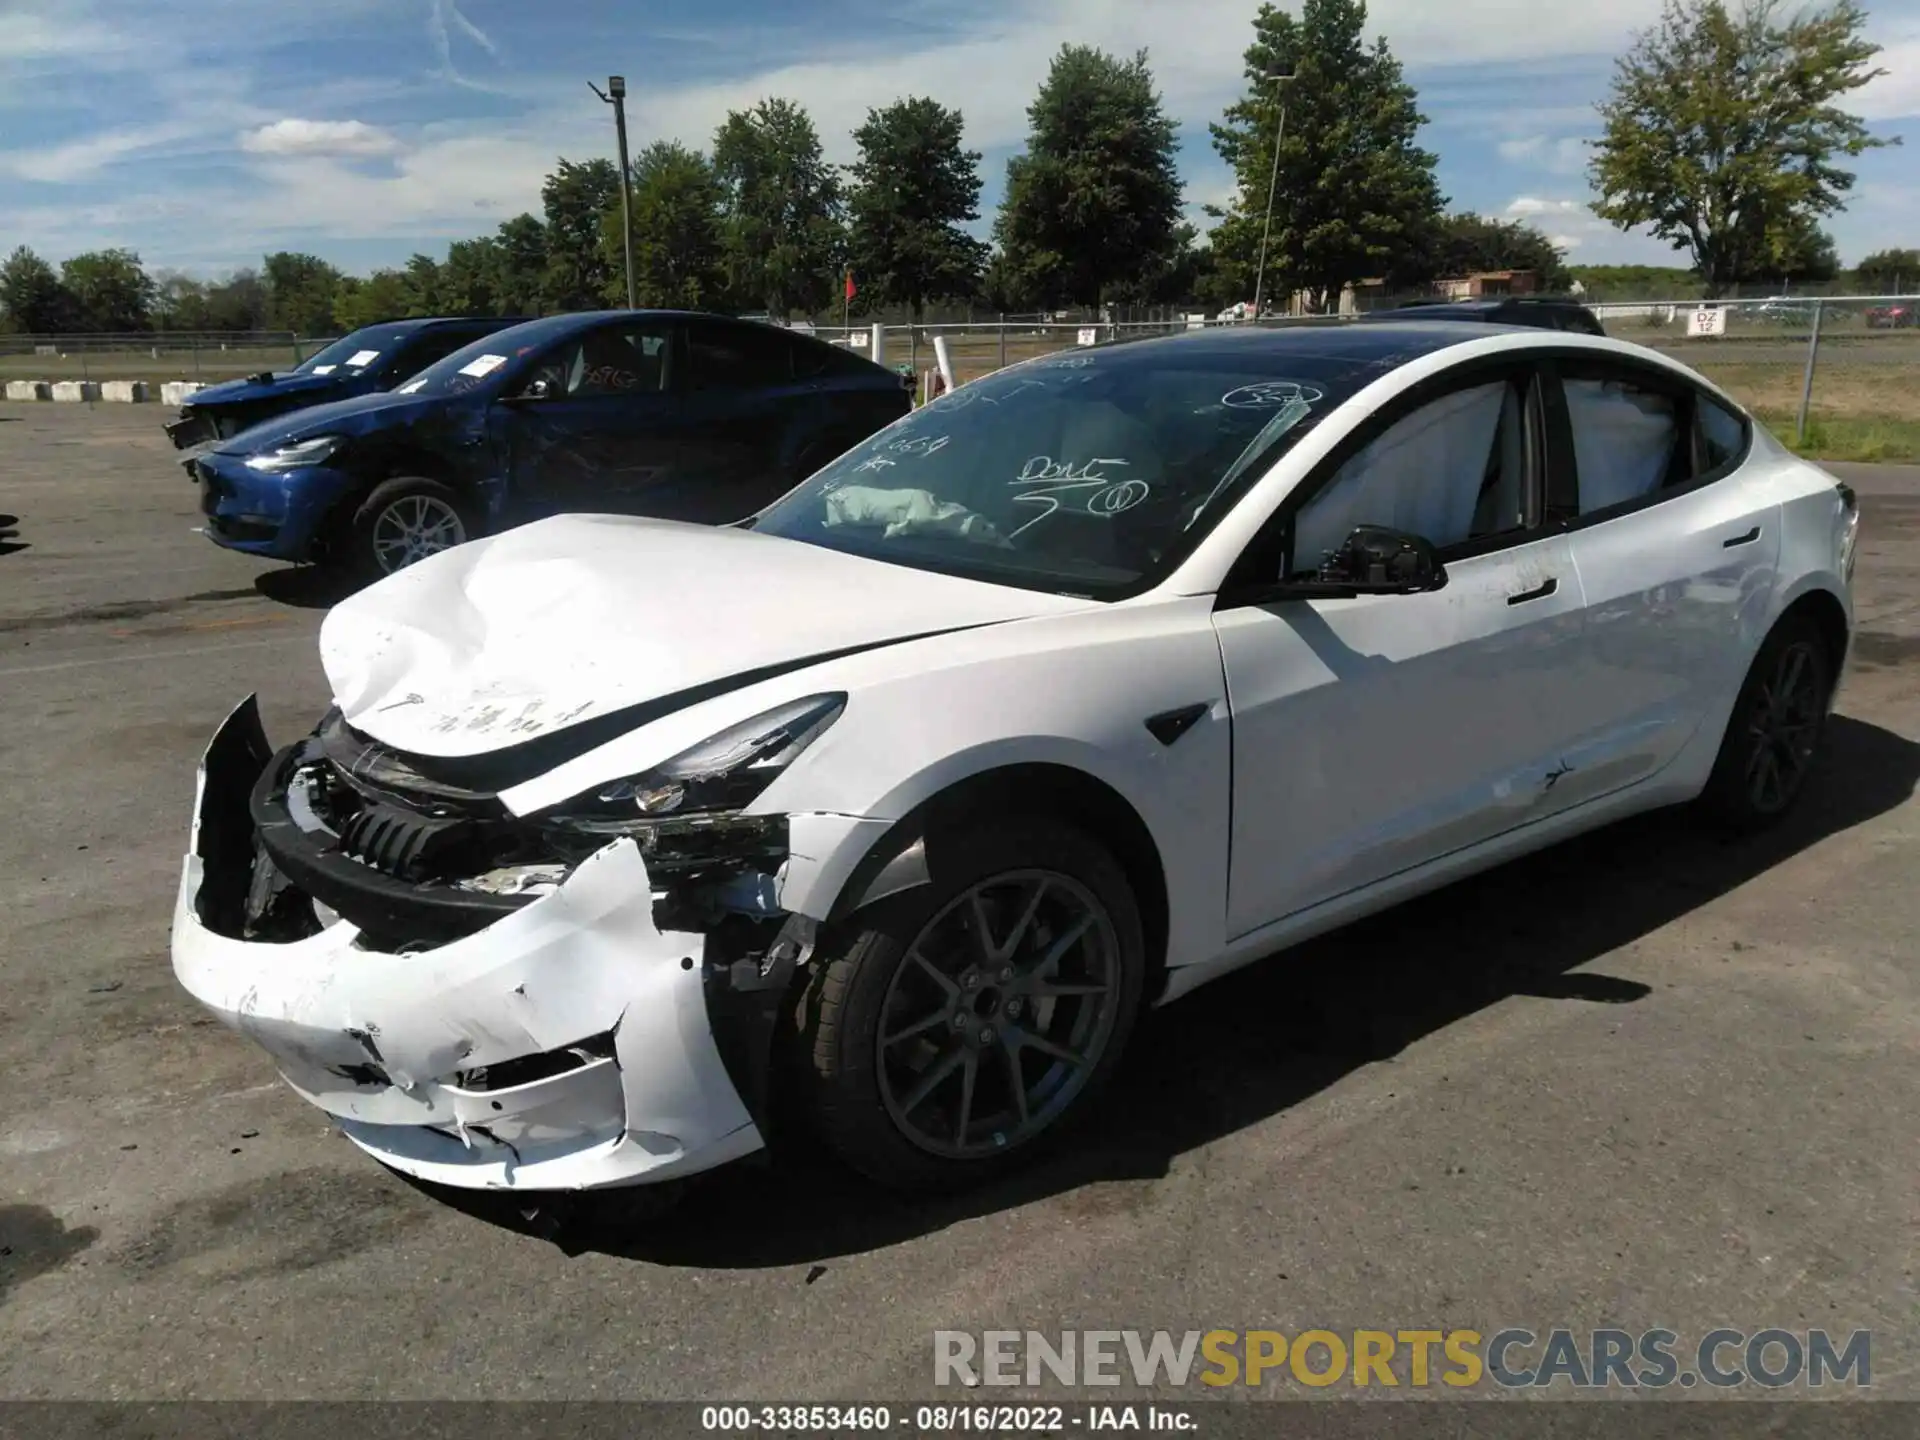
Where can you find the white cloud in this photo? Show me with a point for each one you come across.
(318, 137)
(81, 160)
(1530, 206)
(443, 16)
(1895, 95)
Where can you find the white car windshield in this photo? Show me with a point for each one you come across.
(1088, 473)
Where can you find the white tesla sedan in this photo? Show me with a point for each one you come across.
(1069, 692)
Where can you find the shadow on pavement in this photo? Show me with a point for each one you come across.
(1257, 1042)
(310, 587)
(9, 537)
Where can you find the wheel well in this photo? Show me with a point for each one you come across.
(1056, 790)
(1829, 617)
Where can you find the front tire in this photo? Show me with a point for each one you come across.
(966, 1025)
(405, 520)
(1775, 731)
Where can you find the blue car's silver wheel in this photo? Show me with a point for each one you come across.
(405, 520)
(414, 527)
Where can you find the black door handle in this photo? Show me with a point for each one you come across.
(1524, 596)
(1739, 540)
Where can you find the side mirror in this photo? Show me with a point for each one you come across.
(536, 390)
(1373, 561)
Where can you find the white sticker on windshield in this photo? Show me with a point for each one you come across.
(325, 369)
(485, 365)
(362, 358)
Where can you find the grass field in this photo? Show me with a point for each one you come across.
(204, 364)
(1866, 396)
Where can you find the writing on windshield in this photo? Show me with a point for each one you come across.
(1088, 473)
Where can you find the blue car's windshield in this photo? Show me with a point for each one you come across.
(1089, 473)
(371, 349)
(481, 363)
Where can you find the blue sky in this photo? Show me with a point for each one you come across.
(203, 134)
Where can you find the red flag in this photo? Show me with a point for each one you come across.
(851, 292)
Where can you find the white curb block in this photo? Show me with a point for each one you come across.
(29, 390)
(127, 392)
(177, 392)
(70, 391)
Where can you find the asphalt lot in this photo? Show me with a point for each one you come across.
(1647, 1079)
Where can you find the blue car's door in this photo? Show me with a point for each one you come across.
(597, 427)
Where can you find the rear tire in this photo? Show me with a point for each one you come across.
(1774, 734)
(917, 1028)
(403, 521)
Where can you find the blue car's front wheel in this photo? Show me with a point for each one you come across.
(404, 521)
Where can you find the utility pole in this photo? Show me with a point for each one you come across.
(616, 95)
(1278, 77)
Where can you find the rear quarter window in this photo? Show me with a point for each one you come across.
(1723, 434)
(817, 360)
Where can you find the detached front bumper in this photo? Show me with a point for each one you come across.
(565, 1046)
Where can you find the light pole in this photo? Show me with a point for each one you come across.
(1278, 77)
(616, 96)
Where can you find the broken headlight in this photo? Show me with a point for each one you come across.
(719, 776)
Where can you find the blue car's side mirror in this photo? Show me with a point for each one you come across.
(536, 390)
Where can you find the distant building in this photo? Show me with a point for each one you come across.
(1488, 283)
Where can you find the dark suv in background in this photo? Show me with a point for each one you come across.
(376, 357)
(1540, 312)
(666, 414)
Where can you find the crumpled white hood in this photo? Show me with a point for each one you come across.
(503, 639)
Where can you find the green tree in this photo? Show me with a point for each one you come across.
(1466, 244)
(914, 185)
(520, 249)
(239, 302)
(1092, 207)
(33, 296)
(111, 292)
(782, 206)
(1636, 282)
(679, 258)
(1889, 272)
(1724, 129)
(300, 292)
(180, 302)
(1355, 196)
(576, 198)
(383, 295)
(423, 279)
(470, 278)
(1004, 287)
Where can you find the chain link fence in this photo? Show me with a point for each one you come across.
(154, 356)
(1838, 376)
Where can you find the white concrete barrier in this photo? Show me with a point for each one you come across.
(177, 392)
(29, 390)
(70, 391)
(127, 392)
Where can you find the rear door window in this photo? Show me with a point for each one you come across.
(738, 357)
(1630, 437)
